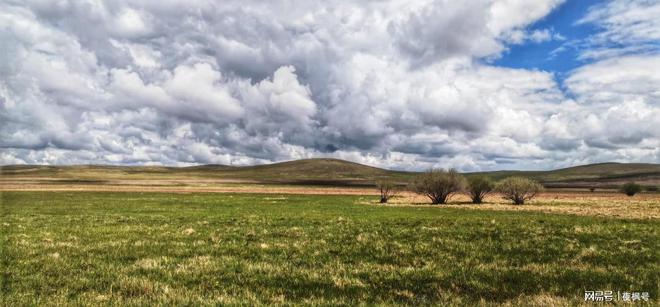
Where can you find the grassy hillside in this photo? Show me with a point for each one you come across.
(601, 174)
(307, 171)
(328, 172)
(319, 171)
(604, 171)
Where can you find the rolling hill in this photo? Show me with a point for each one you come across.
(598, 175)
(329, 172)
(306, 171)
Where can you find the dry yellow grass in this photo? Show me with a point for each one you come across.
(177, 186)
(578, 202)
(611, 204)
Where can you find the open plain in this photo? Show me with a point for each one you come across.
(170, 239)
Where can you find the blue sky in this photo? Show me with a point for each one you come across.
(546, 55)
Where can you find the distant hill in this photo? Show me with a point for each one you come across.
(600, 174)
(306, 171)
(332, 172)
(318, 171)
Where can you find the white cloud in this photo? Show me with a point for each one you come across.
(446, 29)
(539, 36)
(131, 23)
(143, 55)
(389, 83)
(617, 80)
(628, 26)
(626, 21)
(199, 88)
(512, 14)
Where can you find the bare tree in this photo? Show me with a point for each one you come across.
(438, 184)
(478, 187)
(387, 190)
(519, 189)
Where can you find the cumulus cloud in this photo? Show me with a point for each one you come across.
(627, 26)
(631, 21)
(388, 83)
(618, 80)
(446, 29)
(626, 93)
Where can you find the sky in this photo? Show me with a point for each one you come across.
(474, 85)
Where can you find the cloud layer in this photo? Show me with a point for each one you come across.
(388, 83)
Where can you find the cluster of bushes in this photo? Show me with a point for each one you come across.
(439, 185)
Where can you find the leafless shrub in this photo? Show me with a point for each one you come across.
(438, 184)
(388, 189)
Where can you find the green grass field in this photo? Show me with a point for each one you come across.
(75, 248)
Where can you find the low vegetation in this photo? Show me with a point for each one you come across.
(438, 184)
(519, 189)
(387, 189)
(141, 249)
(631, 188)
(478, 187)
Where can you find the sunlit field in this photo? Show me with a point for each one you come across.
(104, 248)
(330, 153)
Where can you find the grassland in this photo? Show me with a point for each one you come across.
(320, 172)
(307, 171)
(100, 248)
